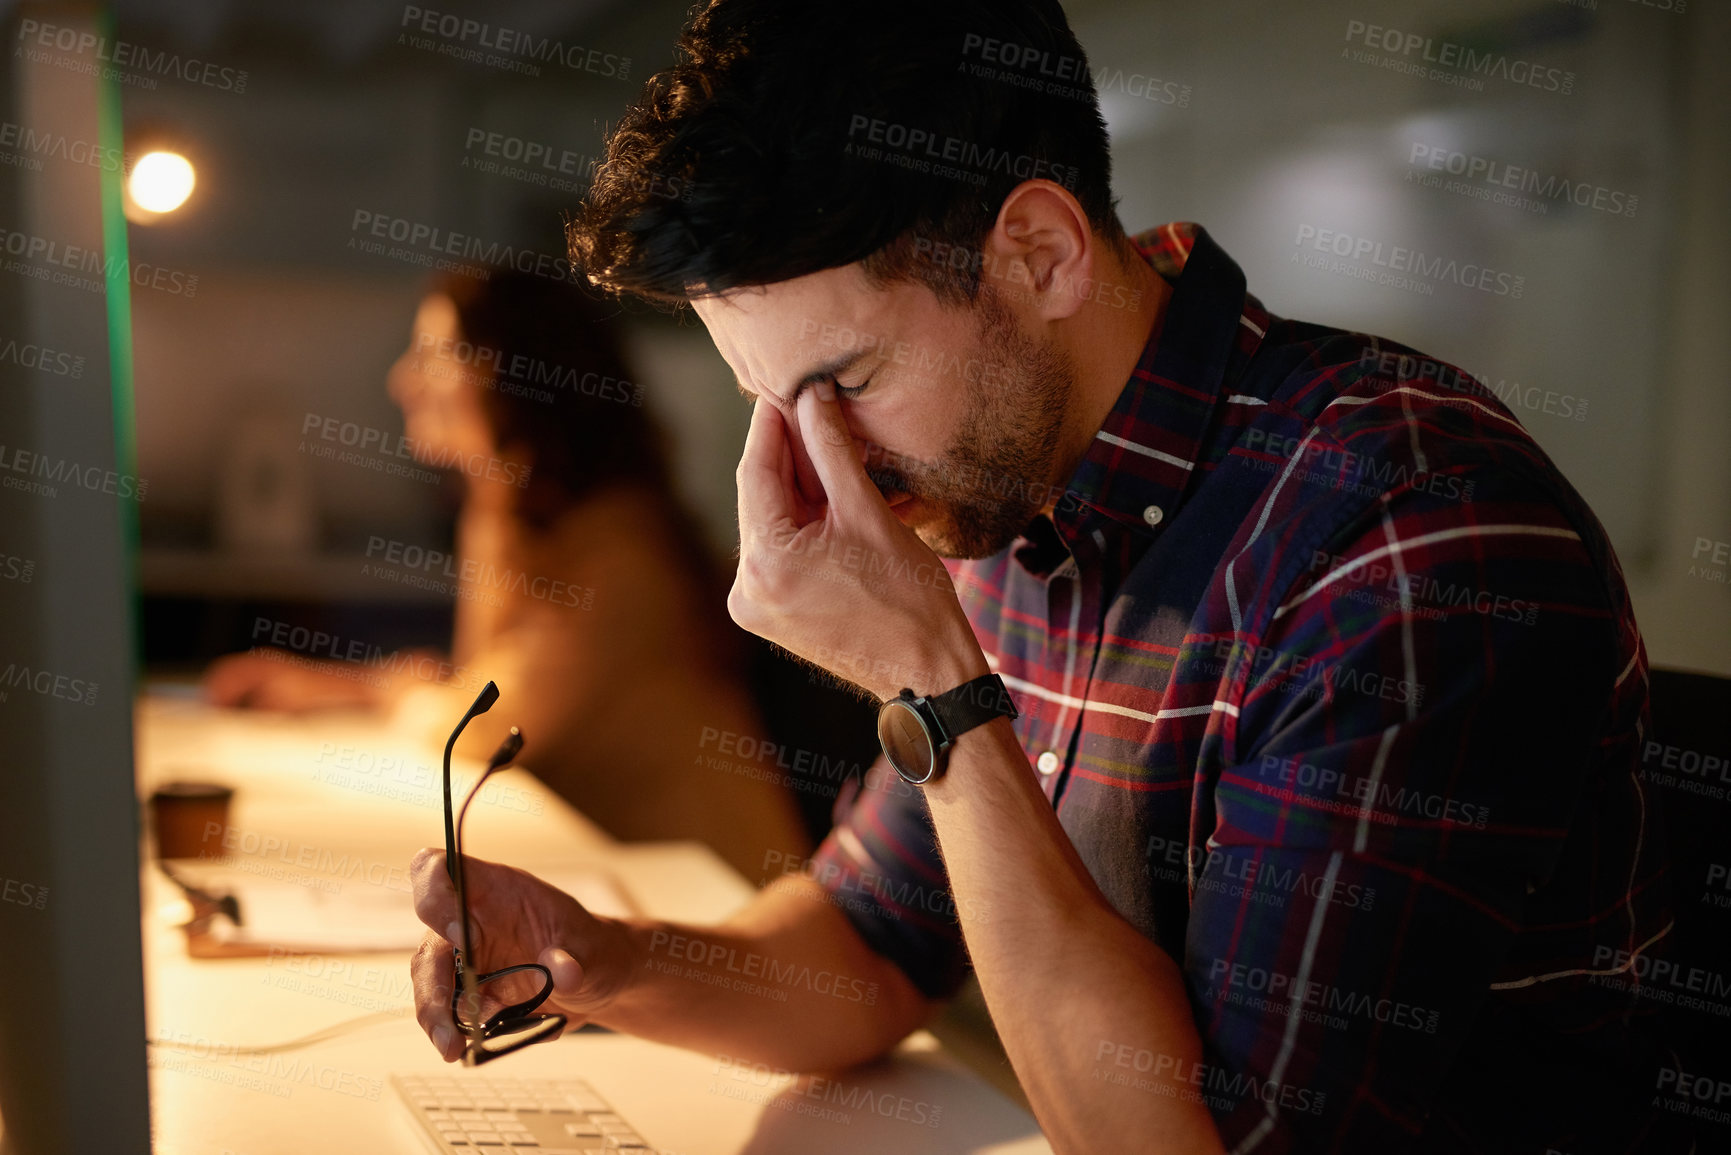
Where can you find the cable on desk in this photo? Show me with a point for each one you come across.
(330, 1032)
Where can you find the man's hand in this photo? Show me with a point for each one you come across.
(826, 568)
(514, 917)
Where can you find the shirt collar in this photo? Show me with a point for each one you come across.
(1137, 468)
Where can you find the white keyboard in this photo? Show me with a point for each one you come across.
(485, 1115)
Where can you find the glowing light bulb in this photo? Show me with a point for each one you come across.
(161, 181)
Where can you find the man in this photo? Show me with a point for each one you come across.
(1318, 819)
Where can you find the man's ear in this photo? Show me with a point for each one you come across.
(1042, 254)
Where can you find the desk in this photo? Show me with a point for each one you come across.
(343, 798)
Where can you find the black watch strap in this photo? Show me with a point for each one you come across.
(972, 704)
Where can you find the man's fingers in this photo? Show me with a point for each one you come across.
(567, 972)
(804, 470)
(435, 897)
(834, 453)
(433, 974)
(763, 496)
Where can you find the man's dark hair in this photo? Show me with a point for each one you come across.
(783, 142)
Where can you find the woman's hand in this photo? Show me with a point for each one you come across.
(278, 680)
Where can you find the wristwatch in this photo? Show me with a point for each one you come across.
(917, 733)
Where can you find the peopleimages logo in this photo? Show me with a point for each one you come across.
(1395, 369)
(922, 359)
(1221, 1088)
(1006, 274)
(24, 893)
(1054, 74)
(1396, 260)
(1229, 977)
(509, 49)
(32, 145)
(16, 569)
(47, 684)
(724, 957)
(814, 1096)
(1485, 179)
(467, 578)
(271, 1074)
(372, 447)
(1344, 468)
(1718, 563)
(517, 374)
(431, 246)
(1457, 59)
(36, 36)
(47, 259)
(549, 166)
(926, 151)
(1381, 802)
(94, 478)
(1246, 876)
(28, 356)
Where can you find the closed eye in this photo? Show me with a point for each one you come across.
(850, 391)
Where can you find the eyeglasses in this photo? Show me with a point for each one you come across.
(515, 1026)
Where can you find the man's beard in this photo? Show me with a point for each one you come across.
(996, 474)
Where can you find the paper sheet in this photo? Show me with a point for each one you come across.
(331, 916)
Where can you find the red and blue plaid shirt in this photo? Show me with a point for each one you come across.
(1333, 681)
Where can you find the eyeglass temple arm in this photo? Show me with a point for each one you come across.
(501, 758)
(508, 750)
(483, 702)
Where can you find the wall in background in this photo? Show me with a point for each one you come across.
(1283, 129)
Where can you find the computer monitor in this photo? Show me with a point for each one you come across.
(73, 1068)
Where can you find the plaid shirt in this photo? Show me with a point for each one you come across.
(1334, 683)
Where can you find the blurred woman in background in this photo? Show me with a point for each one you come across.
(584, 589)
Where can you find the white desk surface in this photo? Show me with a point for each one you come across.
(324, 795)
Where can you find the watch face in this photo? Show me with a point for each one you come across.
(906, 741)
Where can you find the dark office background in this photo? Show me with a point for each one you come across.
(1255, 120)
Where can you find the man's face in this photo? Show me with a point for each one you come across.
(957, 411)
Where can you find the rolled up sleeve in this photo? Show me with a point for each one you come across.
(880, 866)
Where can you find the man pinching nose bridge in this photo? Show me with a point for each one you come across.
(1060, 703)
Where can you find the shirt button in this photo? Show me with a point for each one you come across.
(1048, 762)
(1153, 515)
